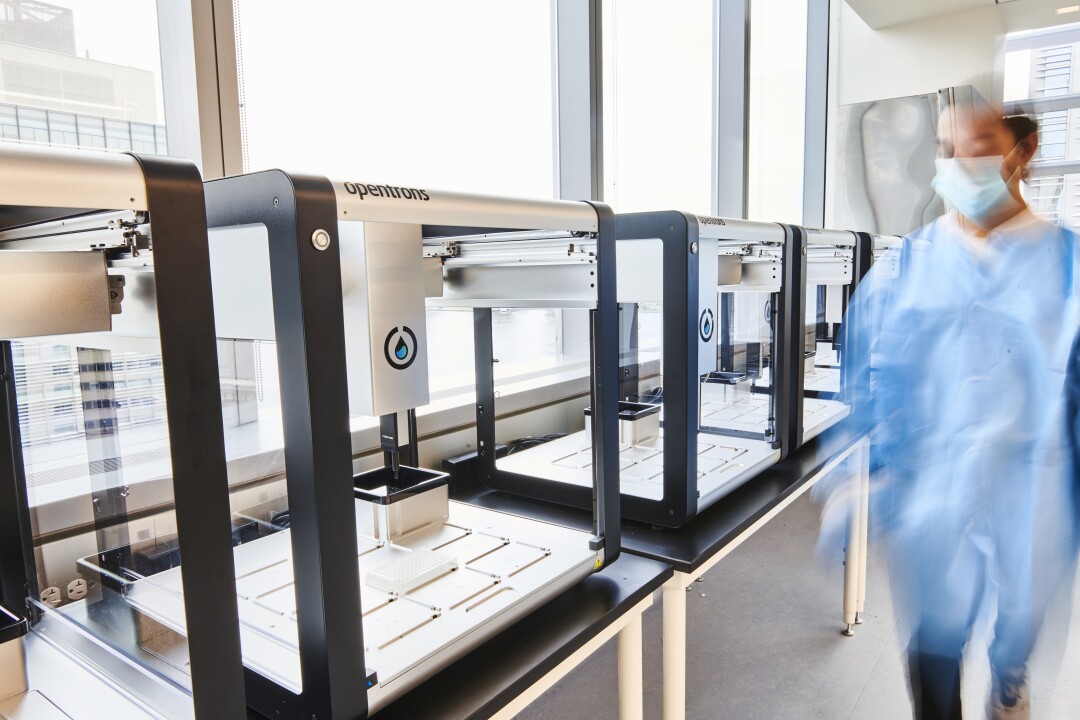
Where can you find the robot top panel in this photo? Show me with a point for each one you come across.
(392, 203)
(70, 182)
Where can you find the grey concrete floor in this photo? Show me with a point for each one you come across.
(764, 642)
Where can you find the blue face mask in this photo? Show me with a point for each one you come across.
(973, 186)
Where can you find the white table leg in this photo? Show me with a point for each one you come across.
(675, 646)
(626, 642)
(675, 596)
(864, 525)
(631, 672)
(852, 558)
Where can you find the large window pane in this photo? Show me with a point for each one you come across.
(99, 61)
(777, 109)
(451, 95)
(454, 95)
(658, 95)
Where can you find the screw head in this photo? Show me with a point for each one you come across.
(320, 239)
(693, 248)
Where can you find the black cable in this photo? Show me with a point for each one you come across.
(652, 396)
(280, 521)
(531, 441)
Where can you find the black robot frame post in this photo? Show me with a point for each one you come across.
(196, 437)
(854, 389)
(679, 237)
(789, 356)
(864, 258)
(309, 322)
(18, 580)
(603, 497)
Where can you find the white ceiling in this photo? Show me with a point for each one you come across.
(880, 14)
(1015, 15)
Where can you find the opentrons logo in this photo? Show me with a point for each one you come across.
(400, 347)
(706, 324)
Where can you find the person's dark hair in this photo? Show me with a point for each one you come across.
(1021, 127)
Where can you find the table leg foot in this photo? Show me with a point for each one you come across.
(847, 632)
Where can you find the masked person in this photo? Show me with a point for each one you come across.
(972, 467)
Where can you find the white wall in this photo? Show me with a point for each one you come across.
(914, 58)
(918, 57)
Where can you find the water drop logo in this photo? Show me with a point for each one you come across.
(400, 347)
(706, 324)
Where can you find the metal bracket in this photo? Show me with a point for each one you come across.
(116, 293)
(445, 250)
(574, 249)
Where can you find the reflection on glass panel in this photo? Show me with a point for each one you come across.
(830, 264)
(49, 383)
(559, 445)
(455, 95)
(658, 98)
(96, 447)
(526, 341)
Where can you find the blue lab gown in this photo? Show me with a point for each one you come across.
(973, 419)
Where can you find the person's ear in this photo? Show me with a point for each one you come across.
(1026, 149)
(1016, 161)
